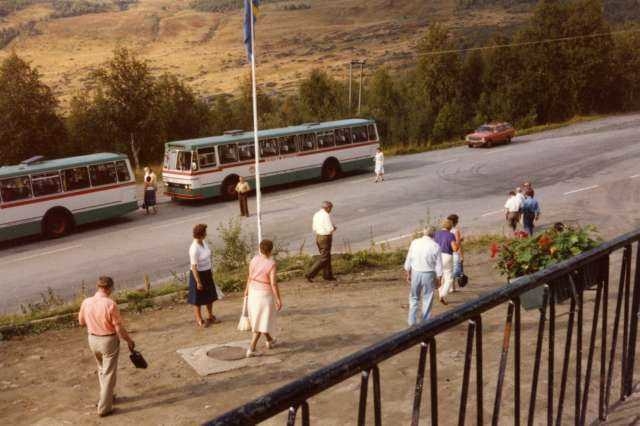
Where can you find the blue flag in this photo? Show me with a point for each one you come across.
(247, 24)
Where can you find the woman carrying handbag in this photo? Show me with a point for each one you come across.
(262, 297)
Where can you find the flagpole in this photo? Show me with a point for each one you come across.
(255, 124)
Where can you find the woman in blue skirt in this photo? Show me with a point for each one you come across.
(202, 290)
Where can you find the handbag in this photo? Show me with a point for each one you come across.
(244, 324)
(137, 359)
(463, 280)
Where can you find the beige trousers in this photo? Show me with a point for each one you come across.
(106, 350)
(447, 275)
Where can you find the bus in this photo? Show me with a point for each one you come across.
(51, 197)
(210, 167)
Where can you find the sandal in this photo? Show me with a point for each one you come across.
(270, 344)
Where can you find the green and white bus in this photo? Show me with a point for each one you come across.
(210, 167)
(51, 197)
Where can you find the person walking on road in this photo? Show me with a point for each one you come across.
(423, 272)
(458, 259)
(263, 297)
(150, 190)
(101, 316)
(202, 290)
(447, 242)
(512, 210)
(243, 188)
(379, 166)
(324, 229)
(530, 212)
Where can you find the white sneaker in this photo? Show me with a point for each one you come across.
(271, 344)
(251, 353)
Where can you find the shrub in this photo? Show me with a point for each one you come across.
(525, 255)
(65, 8)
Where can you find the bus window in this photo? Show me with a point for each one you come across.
(207, 157)
(122, 171)
(307, 142)
(269, 148)
(184, 160)
(372, 132)
(246, 151)
(102, 174)
(77, 178)
(288, 145)
(359, 134)
(228, 153)
(342, 136)
(46, 184)
(326, 140)
(14, 189)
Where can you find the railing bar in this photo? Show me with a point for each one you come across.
(417, 399)
(603, 343)
(592, 344)
(465, 375)
(377, 401)
(305, 414)
(625, 326)
(536, 366)
(551, 359)
(516, 365)
(362, 407)
(479, 374)
(578, 392)
(565, 361)
(506, 342)
(291, 418)
(616, 323)
(433, 374)
(633, 332)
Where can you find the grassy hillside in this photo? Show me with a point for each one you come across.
(205, 48)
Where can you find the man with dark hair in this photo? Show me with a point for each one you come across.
(324, 229)
(101, 316)
(530, 211)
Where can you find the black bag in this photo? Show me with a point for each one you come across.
(137, 359)
(463, 280)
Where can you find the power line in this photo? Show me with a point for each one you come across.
(527, 43)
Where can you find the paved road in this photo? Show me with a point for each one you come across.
(588, 172)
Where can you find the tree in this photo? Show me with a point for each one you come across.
(128, 88)
(386, 105)
(319, 97)
(29, 123)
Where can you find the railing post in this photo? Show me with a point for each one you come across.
(516, 366)
(633, 331)
(506, 342)
(362, 408)
(417, 399)
(536, 365)
(592, 343)
(603, 344)
(433, 373)
(479, 380)
(465, 375)
(552, 354)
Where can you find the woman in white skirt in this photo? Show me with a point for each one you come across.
(379, 167)
(263, 297)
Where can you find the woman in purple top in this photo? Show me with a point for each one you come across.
(448, 245)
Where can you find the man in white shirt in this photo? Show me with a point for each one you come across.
(423, 271)
(324, 229)
(512, 210)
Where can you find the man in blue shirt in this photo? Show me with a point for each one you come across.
(530, 211)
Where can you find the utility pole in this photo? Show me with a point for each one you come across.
(351, 64)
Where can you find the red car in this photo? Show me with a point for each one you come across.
(491, 134)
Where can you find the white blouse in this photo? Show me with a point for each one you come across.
(200, 256)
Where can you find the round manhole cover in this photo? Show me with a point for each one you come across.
(227, 353)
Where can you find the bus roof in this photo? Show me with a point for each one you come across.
(58, 163)
(191, 144)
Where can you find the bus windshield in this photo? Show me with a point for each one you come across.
(178, 160)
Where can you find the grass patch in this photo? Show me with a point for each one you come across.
(551, 126)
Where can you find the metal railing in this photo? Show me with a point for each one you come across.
(570, 280)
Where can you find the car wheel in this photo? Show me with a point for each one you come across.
(508, 140)
(489, 144)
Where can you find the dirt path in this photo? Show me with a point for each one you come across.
(50, 378)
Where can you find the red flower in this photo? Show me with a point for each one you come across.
(494, 248)
(544, 242)
(520, 234)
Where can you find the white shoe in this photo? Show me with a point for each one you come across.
(251, 353)
(271, 344)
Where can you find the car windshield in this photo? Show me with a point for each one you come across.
(483, 129)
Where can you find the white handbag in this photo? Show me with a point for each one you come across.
(244, 324)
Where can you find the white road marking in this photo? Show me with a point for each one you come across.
(581, 189)
(634, 176)
(492, 213)
(177, 222)
(497, 151)
(287, 197)
(448, 161)
(394, 238)
(44, 253)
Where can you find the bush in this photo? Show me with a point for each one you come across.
(216, 5)
(525, 255)
(65, 8)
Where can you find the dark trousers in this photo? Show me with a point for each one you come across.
(324, 262)
(244, 208)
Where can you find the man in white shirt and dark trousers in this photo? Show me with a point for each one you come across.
(324, 229)
(423, 271)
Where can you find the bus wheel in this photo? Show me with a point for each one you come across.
(330, 169)
(228, 188)
(57, 223)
